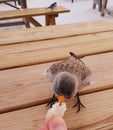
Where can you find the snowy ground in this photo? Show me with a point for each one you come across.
(81, 10)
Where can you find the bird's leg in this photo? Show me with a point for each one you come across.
(52, 101)
(78, 103)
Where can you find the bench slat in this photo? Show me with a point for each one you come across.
(90, 118)
(27, 86)
(56, 49)
(19, 13)
(34, 34)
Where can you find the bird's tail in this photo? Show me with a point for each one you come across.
(73, 54)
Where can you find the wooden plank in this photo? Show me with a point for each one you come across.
(51, 50)
(90, 118)
(19, 13)
(34, 34)
(12, 23)
(27, 86)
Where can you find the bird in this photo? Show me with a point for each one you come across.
(53, 5)
(69, 76)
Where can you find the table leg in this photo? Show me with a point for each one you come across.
(104, 4)
(23, 4)
(50, 19)
(47, 20)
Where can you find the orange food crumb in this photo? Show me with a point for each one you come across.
(61, 99)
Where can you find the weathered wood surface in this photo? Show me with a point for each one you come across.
(53, 32)
(27, 86)
(19, 13)
(97, 115)
(56, 49)
(24, 91)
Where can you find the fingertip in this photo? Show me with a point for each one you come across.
(57, 123)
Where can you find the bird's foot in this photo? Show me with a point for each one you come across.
(78, 103)
(52, 101)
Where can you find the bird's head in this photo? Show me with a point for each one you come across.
(65, 84)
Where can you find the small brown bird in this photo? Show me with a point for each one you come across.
(69, 77)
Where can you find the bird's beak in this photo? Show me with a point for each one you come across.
(61, 99)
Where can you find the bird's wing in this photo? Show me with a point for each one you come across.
(72, 65)
(75, 56)
(83, 72)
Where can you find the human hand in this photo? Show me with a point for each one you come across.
(54, 123)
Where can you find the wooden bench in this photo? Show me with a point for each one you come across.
(28, 14)
(24, 91)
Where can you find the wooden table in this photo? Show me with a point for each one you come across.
(24, 91)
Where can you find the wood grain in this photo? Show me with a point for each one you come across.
(52, 50)
(19, 13)
(26, 86)
(24, 91)
(53, 32)
(90, 118)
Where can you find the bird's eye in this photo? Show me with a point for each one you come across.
(57, 90)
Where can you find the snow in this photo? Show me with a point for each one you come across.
(80, 11)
